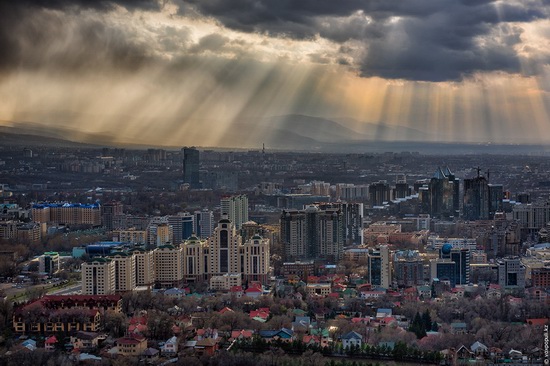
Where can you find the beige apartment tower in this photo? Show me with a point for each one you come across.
(98, 277)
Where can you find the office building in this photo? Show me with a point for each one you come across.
(191, 166)
(312, 234)
(236, 209)
(203, 224)
(182, 226)
(453, 265)
(48, 263)
(511, 272)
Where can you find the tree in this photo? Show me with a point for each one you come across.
(427, 320)
(115, 323)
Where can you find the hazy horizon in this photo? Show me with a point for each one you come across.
(174, 73)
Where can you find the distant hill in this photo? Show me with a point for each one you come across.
(9, 138)
(287, 132)
(385, 132)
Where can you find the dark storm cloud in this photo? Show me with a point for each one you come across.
(433, 40)
(94, 4)
(61, 35)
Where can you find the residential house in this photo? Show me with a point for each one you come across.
(241, 334)
(29, 344)
(150, 355)
(131, 345)
(351, 339)
(494, 292)
(383, 313)
(261, 315)
(253, 292)
(464, 354)
(459, 328)
(207, 346)
(479, 348)
(85, 341)
(285, 335)
(538, 323)
(50, 343)
(236, 291)
(175, 293)
(170, 347)
(424, 292)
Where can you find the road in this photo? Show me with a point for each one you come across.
(73, 289)
(18, 294)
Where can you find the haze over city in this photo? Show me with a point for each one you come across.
(201, 72)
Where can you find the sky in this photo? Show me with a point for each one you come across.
(179, 72)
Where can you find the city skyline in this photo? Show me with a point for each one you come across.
(199, 73)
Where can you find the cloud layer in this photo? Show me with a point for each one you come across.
(186, 71)
(430, 40)
(424, 40)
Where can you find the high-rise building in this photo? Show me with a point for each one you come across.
(182, 226)
(67, 213)
(496, 196)
(379, 261)
(145, 267)
(379, 193)
(191, 166)
(109, 211)
(255, 259)
(511, 272)
(168, 265)
(160, 233)
(453, 265)
(195, 259)
(224, 249)
(540, 277)
(312, 234)
(352, 220)
(408, 268)
(476, 198)
(131, 236)
(402, 189)
(532, 217)
(98, 277)
(203, 225)
(442, 194)
(125, 271)
(236, 209)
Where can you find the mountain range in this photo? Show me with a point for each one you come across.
(285, 132)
